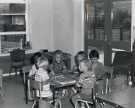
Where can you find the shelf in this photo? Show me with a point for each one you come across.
(12, 14)
(13, 30)
(13, 1)
(13, 33)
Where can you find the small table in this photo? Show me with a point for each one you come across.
(63, 82)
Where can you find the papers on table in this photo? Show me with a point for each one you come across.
(63, 80)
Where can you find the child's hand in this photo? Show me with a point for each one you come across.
(78, 85)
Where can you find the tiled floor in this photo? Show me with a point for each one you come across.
(14, 94)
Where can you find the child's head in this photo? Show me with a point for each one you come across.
(35, 57)
(43, 63)
(94, 55)
(80, 56)
(85, 65)
(58, 56)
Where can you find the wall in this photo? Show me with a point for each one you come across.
(63, 24)
(133, 23)
(40, 22)
(68, 25)
(78, 25)
(56, 24)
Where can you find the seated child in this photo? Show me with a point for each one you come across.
(58, 65)
(98, 69)
(78, 57)
(86, 80)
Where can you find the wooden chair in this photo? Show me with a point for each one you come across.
(108, 80)
(17, 60)
(89, 102)
(38, 86)
(1, 80)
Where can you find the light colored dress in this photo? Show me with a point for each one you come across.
(42, 76)
(33, 70)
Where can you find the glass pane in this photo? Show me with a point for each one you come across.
(12, 23)
(121, 20)
(12, 17)
(94, 19)
(9, 42)
(11, 8)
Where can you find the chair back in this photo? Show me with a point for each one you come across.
(67, 60)
(122, 58)
(17, 55)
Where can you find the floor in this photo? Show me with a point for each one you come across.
(14, 94)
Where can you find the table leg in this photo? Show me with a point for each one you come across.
(53, 96)
(26, 90)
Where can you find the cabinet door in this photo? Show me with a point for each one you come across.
(107, 26)
(121, 24)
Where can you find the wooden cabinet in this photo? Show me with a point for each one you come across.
(13, 24)
(108, 26)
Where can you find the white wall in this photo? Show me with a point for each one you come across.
(56, 24)
(63, 24)
(68, 25)
(78, 25)
(133, 23)
(41, 26)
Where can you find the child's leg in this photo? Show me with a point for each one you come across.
(44, 104)
(74, 99)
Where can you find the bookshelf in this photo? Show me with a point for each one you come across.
(108, 26)
(13, 25)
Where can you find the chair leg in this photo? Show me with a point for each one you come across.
(10, 70)
(76, 104)
(57, 104)
(15, 72)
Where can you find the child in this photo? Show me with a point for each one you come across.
(58, 65)
(34, 59)
(78, 57)
(98, 69)
(42, 77)
(86, 80)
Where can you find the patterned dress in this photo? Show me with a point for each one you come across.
(59, 68)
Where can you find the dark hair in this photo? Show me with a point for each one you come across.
(80, 53)
(34, 57)
(94, 54)
(58, 52)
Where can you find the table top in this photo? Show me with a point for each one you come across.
(64, 80)
(124, 98)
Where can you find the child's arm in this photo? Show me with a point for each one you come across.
(32, 71)
(64, 68)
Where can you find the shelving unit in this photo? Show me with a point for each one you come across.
(13, 24)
